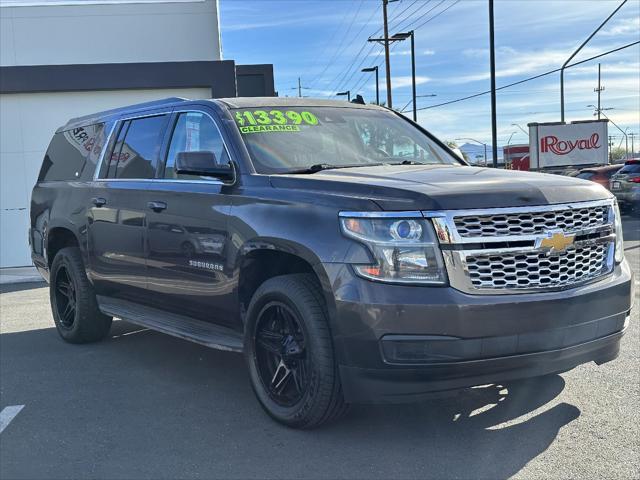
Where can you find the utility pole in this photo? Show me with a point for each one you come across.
(300, 88)
(386, 41)
(494, 122)
(598, 90)
(633, 151)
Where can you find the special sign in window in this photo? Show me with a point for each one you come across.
(262, 121)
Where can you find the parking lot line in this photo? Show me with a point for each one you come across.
(8, 414)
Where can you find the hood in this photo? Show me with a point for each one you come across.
(440, 187)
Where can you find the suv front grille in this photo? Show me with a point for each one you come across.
(536, 269)
(530, 223)
(526, 249)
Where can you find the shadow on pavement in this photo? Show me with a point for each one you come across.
(20, 287)
(631, 228)
(144, 405)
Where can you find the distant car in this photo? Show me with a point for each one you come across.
(600, 175)
(625, 185)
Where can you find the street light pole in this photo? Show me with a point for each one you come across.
(522, 129)
(504, 154)
(403, 36)
(479, 143)
(374, 69)
(347, 93)
(413, 75)
(615, 125)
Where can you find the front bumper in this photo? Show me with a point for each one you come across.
(459, 340)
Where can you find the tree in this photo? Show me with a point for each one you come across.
(617, 153)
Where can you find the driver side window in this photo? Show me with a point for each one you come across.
(194, 132)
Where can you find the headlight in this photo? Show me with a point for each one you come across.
(617, 222)
(405, 249)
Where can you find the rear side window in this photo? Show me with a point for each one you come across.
(73, 154)
(631, 168)
(135, 154)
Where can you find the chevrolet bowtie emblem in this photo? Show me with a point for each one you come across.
(556, 241)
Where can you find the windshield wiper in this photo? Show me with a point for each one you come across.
(318, 167)
(408, 162)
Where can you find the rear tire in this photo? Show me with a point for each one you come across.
(73, 300)
(289, 351)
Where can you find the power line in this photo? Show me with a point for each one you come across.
(417, 12)
(530, 78)
(432, 18)
(361, 83)
(393, 19)
(342, 44)
(373, 13)
(346, 78)
(406, 27)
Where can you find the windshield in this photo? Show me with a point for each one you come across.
(295, 139)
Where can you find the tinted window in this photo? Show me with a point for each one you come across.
(194, 132)
(631, 168)
(611, 172)
(73, 154)
(135, 154)
(585, 175)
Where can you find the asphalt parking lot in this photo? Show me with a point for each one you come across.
(145, 405)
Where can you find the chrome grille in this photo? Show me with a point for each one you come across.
(531, 223)
(537, 269)
(512, 250)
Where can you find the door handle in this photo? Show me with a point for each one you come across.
(99, 201)
(157, 206)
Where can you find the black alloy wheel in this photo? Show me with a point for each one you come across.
(289, 350)
(74, 304)
(65, 296)
(280, 354)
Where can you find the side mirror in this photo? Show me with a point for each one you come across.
(204, 164)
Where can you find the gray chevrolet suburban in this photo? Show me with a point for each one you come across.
(346, 252)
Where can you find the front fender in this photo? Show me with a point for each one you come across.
(309, 232)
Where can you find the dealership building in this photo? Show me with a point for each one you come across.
(63, 59)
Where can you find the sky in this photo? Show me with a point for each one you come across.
(325, 44)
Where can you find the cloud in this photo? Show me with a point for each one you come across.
(403, 53)
(405, 81)
(625, 26)
(517, 63)
(229, 25)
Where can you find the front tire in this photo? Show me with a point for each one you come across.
(289, 352)
(73, 301)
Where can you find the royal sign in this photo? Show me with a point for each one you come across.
(572, 144)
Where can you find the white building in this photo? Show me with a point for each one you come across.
(65, 58)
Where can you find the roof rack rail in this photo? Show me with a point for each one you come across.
(92, 117)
